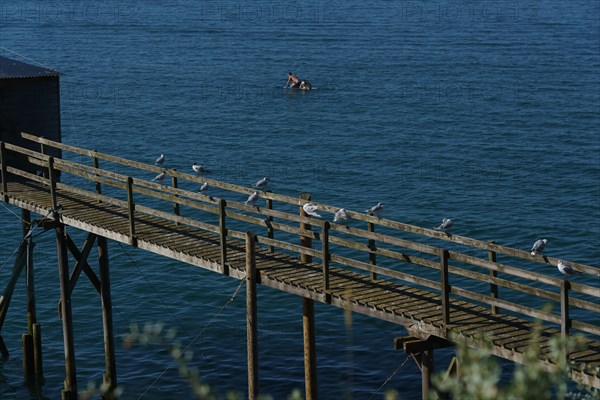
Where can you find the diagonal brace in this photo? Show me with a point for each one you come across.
(81, 262)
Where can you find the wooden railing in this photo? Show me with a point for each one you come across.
(385, 249)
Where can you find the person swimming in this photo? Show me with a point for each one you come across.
(295, 81)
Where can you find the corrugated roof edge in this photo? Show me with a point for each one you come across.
(16, 69)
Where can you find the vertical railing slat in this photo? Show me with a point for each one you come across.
(445, 286)
(223, 236)
(493, 286)
(52, 178)
(372, 256)
(270, 230)
(325, 259)
(131, 212)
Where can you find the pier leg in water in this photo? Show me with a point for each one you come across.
(70, 389)
(310, 355)
(110, 377)
(251, 317)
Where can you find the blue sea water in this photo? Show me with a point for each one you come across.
(487, 112)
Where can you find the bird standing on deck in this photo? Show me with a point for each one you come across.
(262, 183)
(566, 269)
(538, 246)
(160, 160)
(375, 210)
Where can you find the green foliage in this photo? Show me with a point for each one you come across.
(479, 373)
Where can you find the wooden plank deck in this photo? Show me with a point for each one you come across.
(417, 310)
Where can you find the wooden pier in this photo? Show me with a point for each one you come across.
(408, 275)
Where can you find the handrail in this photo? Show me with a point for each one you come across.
(434, 258)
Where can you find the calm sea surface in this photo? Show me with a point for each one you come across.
(487, 112)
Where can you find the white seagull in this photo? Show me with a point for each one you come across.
(341, 216)
(375, 210)
(252, 199)
(446, 224)
(566, 269)
(538, 246)
(311, 210)
(160, 160)
(199, 169)
(159, 178)
(203, 188)
(262, 183)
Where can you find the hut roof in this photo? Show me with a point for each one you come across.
(16, 69)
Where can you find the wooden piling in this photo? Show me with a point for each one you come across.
(310, 355)
(251, 316)
(29, 367)
(110, 376)
(425, 360)
(70, 385)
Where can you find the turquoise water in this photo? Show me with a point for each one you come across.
(486, 112)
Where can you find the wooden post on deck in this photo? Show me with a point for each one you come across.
(3, 172)
(372, 256)
(223, 237)
(70, 385)
(110, 376)
(565, 321)
(308, 321)
(493, 274)
(445, 295)
(251, 316)
(95, 164)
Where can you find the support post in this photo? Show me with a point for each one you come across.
(3, 172)
(325, 260)
(270, 230)
(310, 355)
(131, 210)
(372, 256)
(27, 338)
(445, 295)
(251, 316)
(305, 241)
(223, 236)
(493, 274)
(565, 321)
(52, 177)
(110, 376)
(70, 385)
(175, 204)
(425, 360)
(37, 352)
(95, 164)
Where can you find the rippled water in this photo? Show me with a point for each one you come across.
(487, 112)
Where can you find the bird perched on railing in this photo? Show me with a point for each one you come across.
(203, 188)
(311, 210)
(375, 210)
(159, 178)
(262, 183)
(341, 215)
(199, 169)
(446, 224)
(252, 199)
(538, 246)
(160, 160)
(566, 269)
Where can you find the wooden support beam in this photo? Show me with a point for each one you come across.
(37, 352)
(3, 349)
(81, 260)
(251, 316)
(110, 376)
(84, 265)
(19, 264)
(310, 354)
(425, 360)
(413, 345)
(70, 385)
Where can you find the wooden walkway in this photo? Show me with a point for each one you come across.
(424, 312)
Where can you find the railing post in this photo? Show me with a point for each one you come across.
(325, 259)
(3, 174)
(251, 316)
(270, 230)
(223, 236)
(445, 286)
(43, 151)
(305, 241)
(131, 211)
(372, 256)
(493, 274)
(52, 177)
(565, 321)
(175, 204)
(96, 165)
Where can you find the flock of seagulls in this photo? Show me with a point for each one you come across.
(343, 215)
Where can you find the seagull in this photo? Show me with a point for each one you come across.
(262, 183)
(199, 169)
(252, 199)
(203, 188)
(566, 269)
(160, 160)
(311, 210)
(375, 210)
(159, 178)
(446, 224)
(341, 216)
(538, 246)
